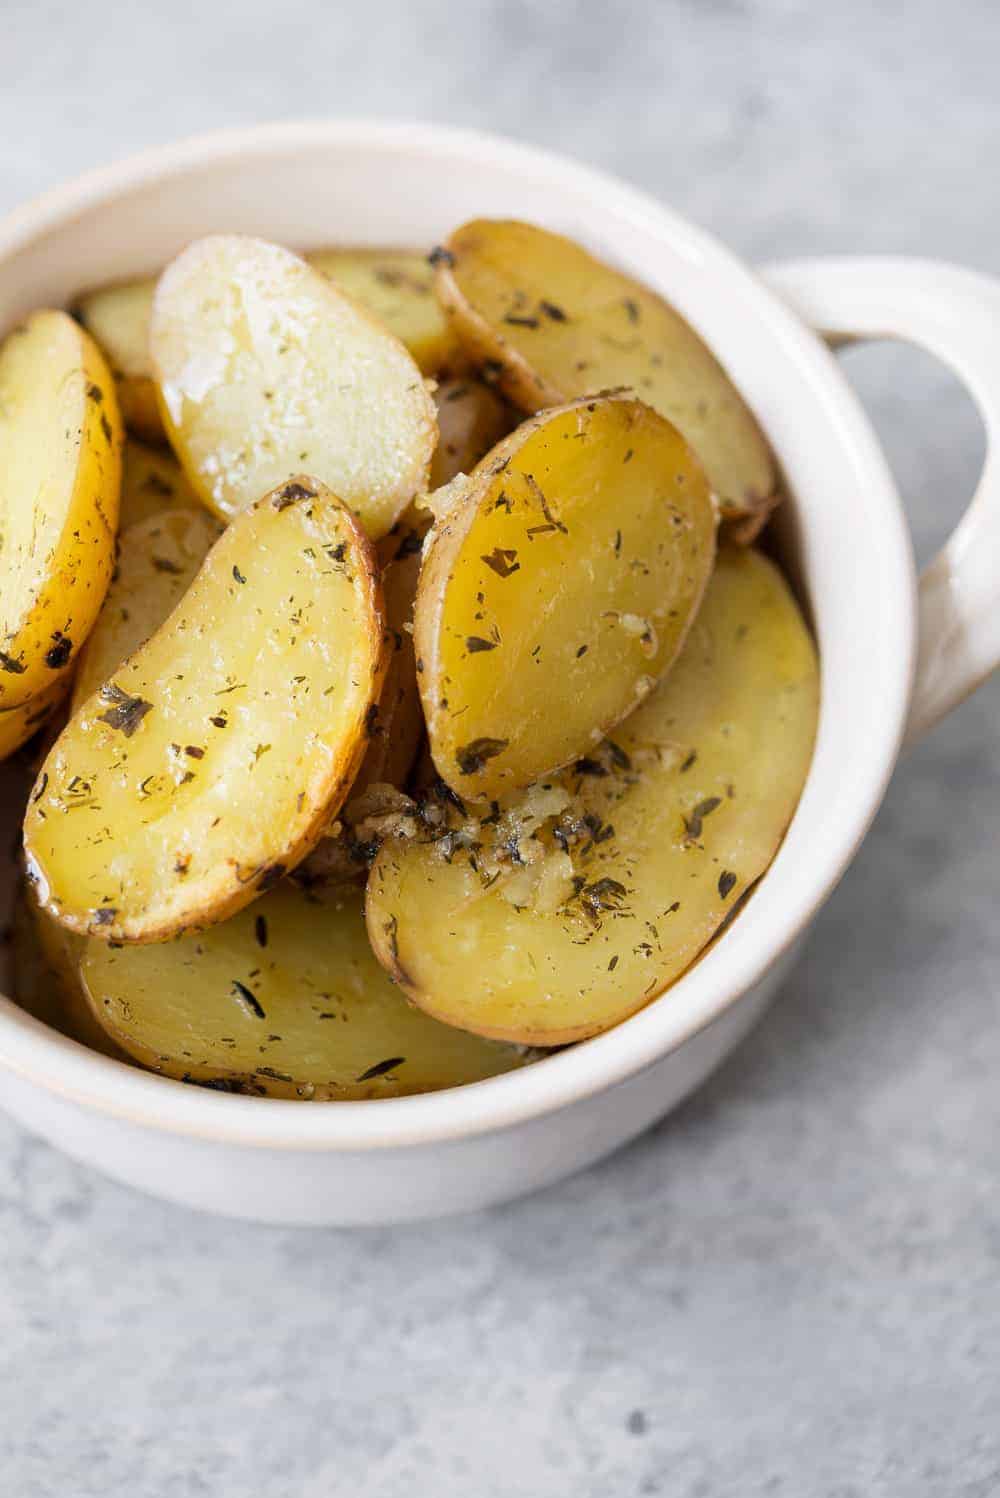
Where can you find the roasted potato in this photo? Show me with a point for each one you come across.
(158, 559)
(397, 287)
(471, 420)
(152, 481)
(265, 368)
(566, 910)
(214, 758)
(558, 589)
(19, 724)
(47, 976)
(547, 321)
(284, 1000)
(60, 477)
(117, 317)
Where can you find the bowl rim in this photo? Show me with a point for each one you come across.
(33, 1052)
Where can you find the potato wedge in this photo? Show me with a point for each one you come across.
(158, 560)
(549, 322)
(213, 760)
(60, 477)
(471, 420)
(47, 976)
(152, 481)
(117, 317)
(19, 724)
(284, 1000)
(566, 912)
(265, 368)
(397, 287)
(558, 590)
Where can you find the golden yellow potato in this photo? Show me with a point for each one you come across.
(46, 978)
(558, 589)
(572, 906)
(397, 287)
(152, 481)
(117, 317)
(19, 724)
(158, 559)
(212, 761)
(60, 476)
(471, 420)
(284, 1000)
(547, 321)
(266, 369)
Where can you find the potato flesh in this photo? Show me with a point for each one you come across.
(152, 481)
(266, 369)
(158, 560)
(397, 287)
(117, 317)
(558, 590)
(471, 420)
(60, 476)
(665, 828)
(284, 1000)
(552, 322)
(225, 744)
(19, 724)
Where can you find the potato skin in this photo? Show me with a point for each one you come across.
(165, 755)
(19, 724)
(557, 589)
(60, 467)
(551, 930)
(547, 322)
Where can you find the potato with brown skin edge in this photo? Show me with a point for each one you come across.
(549, 322)
(648, 844)
(557, 589)
(284, 1000)
(264, 368)
(60, 477)
(181, 813)
(117, 318)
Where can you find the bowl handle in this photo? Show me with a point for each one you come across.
(955, 314)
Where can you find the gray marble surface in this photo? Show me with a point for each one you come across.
(793, 1286)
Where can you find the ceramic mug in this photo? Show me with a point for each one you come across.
(896, 653)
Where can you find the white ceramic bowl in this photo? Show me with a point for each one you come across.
(845, 536)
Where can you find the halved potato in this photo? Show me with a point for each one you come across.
(152, 481)
(211, 762)
(60, 477)
(549, 322)
(558, 589)
(118, 319)
(158, 559)
(565, 911)
(265, 369)
(46, 979)
(19, 724)
(284, 1000)
(471, 420)
(397, 286)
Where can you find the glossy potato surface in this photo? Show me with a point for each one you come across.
(266, 369)
(152, 481)
(284, 1000)
(397, 287)
(158, 559)
(650, 841)
(60, 477)
(117, 317)
(558, 590)
(547, 321)
(216, 755)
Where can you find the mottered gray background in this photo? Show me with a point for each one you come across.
(792, 1287)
